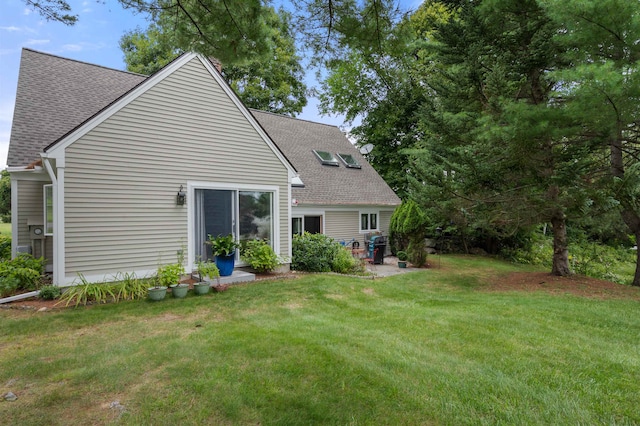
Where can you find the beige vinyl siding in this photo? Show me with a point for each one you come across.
(121, 178)
(342, 225)
(30, 205)
(385, 220)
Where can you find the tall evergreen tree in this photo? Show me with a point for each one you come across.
(496, 123)
(602, 89)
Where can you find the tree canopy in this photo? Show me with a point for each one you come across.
(500, 113)
(5, 196)
(53, 10)
(274, 82)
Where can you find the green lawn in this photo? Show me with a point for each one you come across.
(5, 229)
(423, 348)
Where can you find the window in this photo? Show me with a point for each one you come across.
(368, 221)
(296, 226)
(256, 211)
(326, 158)
(310, 224)
(349, 161)
(48, 209)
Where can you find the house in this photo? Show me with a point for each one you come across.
(118, 172)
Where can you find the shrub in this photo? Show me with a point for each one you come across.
(417, 252)
(170, 274)
(20, 273)
(344, 263)
(313, 252)
(260, 256)
(599, 261)
(408, 224)
(5, 247)
(8, 285)
(585, 258)
(50, 292)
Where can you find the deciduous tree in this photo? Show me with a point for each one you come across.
(272, 83)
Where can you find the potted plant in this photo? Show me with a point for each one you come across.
(224, 249)
(205, 270)
(402, 259)
(169, 276)
(157, 291)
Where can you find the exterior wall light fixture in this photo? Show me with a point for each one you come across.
(181, 198)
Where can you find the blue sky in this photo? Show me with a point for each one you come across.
(93, 39)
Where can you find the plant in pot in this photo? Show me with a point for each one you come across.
(224, 249)
(169, 276)
(157, 291)
(207, 272)
(402, 259)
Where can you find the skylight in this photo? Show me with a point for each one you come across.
(350, 161)
(326, 158)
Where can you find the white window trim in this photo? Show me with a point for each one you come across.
(191, 188)
(44, 212)
(301, 212)
(368, 212)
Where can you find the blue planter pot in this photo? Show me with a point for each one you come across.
(225, 264)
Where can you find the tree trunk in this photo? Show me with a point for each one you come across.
(636, 277)
(629, 215)
(633, 222)
(560, 247)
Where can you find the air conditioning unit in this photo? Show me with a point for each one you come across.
(23, 249)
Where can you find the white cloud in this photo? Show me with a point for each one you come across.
(14, 29)
(72, 48)
(82, 46)
(27, 11)
(87, 10)
(33, 42)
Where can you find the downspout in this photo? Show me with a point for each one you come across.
(14, 217)
(58, 218)
(289, 211)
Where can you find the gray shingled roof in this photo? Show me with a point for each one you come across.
(55, 95)
(325, 184)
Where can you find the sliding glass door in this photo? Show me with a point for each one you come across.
(247, 215)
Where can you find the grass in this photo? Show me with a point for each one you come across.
(5, 228)
(422, 348)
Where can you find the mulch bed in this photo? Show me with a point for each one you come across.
(577, 285)
(517, 281)
(49, 305)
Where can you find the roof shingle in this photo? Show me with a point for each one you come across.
(325, 185)
(56, 94)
